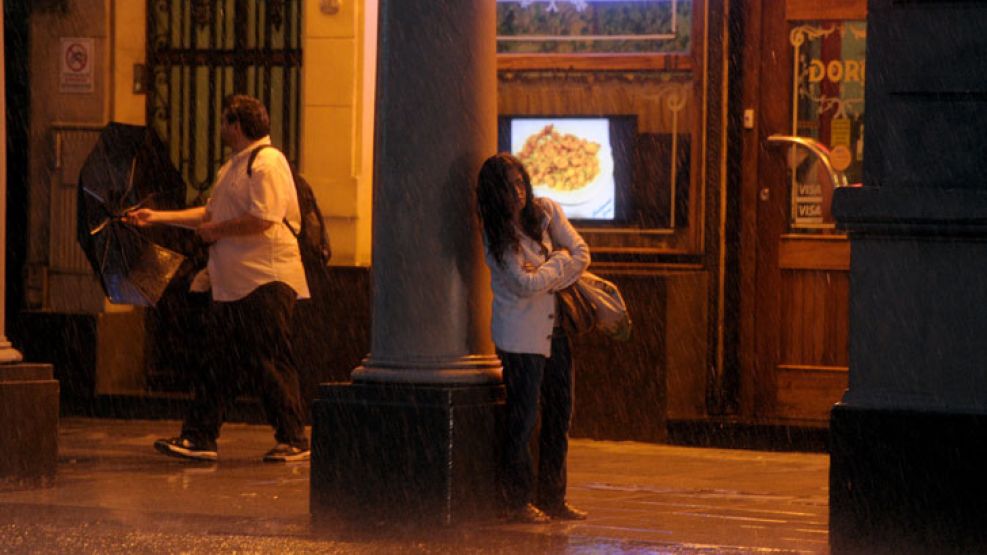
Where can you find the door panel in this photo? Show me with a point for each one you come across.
(825, 252)
(807, 394)
(798, 340)
(814, 318)
(811, 372)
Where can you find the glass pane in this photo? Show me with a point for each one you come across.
(611, 26)
(829, 89)
(811, 191)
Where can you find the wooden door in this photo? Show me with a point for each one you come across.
(795, 264)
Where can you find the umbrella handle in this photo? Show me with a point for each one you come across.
(136, 206)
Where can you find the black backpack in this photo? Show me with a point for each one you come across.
(313, 237)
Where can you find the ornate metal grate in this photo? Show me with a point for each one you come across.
(200, 51)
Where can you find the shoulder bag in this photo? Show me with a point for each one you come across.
(593, 303)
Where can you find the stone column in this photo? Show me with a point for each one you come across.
(28, 394)
(415, 435)
(907, 442)
(436, 123)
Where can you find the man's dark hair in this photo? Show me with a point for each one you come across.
(250, 112)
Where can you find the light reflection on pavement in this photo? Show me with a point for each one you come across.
(114, 493)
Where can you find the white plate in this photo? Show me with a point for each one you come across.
(599, 189)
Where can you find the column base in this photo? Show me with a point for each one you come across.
(8, 353)
(28, 423)
(904, 481)
(424, 453)
(466, 370)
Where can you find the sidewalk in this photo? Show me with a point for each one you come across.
(115, 494)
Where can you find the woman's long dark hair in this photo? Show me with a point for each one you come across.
(496, 199)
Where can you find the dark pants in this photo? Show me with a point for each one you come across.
(250, 350)
(532, 380)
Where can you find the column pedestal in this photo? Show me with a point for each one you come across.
(907, 481)
(415, 436)
(405, 452)
(907, 441)
(28, 423)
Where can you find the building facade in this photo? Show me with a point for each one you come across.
(720, 236)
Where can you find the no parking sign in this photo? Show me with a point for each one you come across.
(77, 58)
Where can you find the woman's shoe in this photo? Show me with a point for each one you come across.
(564, 511)
(528, 514)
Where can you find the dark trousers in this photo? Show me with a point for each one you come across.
(532, 380)
(250, 350)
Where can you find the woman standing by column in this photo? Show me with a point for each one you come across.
(532, 251)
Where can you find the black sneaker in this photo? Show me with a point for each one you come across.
(184, 448)
(283, 452)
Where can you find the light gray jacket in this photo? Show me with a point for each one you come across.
(524, 305)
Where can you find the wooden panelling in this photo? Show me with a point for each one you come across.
(810, 368)
(800, 252)
(620, 392)
(815, 316)
(596, 62)
(752, 371)
(627, 390)
(593, 95)
(809, 393)
(806, 10)
(687, 314)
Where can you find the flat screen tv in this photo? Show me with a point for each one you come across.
(585, 163)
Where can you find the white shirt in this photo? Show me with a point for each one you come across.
(241, 263)
(524, 305)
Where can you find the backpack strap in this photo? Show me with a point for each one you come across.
(250, 173)
(253, 156)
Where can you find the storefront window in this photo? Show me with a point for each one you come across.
(623, 78)
(593, 26)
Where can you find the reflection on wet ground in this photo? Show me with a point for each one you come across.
(114, 493)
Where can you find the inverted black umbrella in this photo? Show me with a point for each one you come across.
(129, 168)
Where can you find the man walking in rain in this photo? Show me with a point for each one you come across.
(255, 274)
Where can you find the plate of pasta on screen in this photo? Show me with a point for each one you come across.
(569, 161)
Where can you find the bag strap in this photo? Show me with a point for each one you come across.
(250, 173)
(253, 156)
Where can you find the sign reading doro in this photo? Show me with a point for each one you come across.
(77, 57)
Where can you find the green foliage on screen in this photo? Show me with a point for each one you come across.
(565, 22)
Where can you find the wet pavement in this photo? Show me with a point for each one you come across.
(114, 494)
